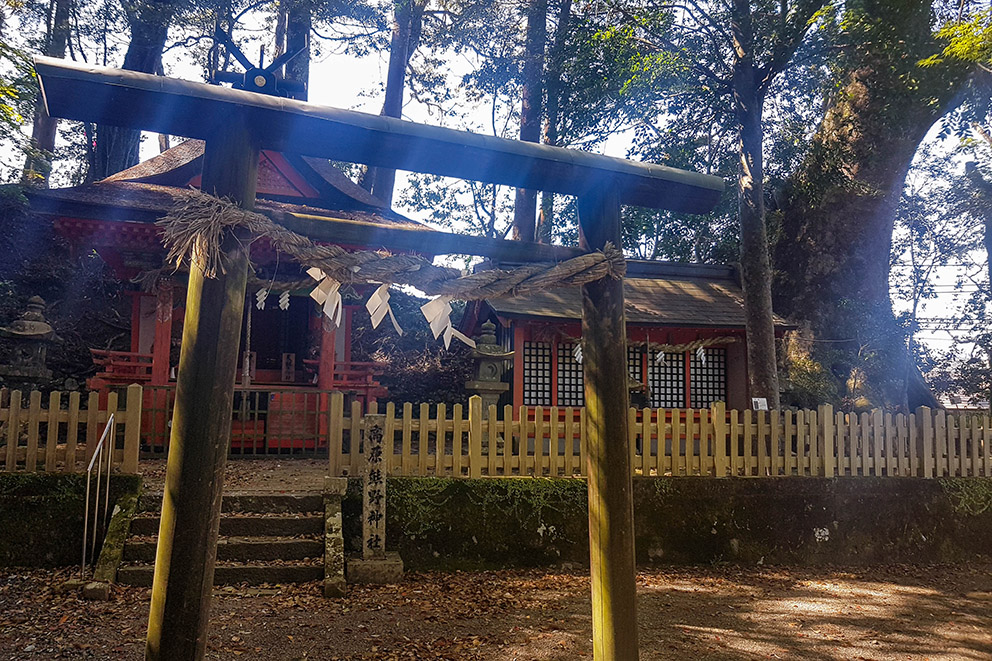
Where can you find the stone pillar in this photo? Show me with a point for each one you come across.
(374, 491)
(375, 565)
(334, 491)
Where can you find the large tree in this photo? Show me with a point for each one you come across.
(832, 253)
(148, 22)
(38, 165)
(737, 49)
(531, 110)
(407, 24)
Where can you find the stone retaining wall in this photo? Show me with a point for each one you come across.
(458, 523)
(41, 516)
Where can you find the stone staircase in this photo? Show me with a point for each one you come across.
(265, 537)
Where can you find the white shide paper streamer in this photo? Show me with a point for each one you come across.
(327, 293)
(438, 315)
(378, 307)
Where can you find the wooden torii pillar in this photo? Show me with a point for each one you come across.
(607, 398)
(235, 124)
(201, 424)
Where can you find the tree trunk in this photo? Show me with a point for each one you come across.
(832, 253)
(282, 15)
(38, 166)
(553, 87)
(525, 206)
(755, 266)
(407, 20)
(117, 148)
(298, 24)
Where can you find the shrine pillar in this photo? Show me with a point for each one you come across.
(325, 372)
(325, 369)
(162, 343)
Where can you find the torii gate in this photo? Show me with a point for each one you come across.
(236, 125)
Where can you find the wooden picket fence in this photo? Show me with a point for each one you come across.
(549, 441)
(62, 435)
(467, 441)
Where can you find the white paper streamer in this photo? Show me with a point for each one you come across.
(327, 293)
(438, 315)
(660, 359)
(260, 297)
(701, 355)
(378, 307)
(577, 353)
(284, 300)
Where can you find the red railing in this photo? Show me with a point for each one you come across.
(265, 420)
(359, 378)
(120, 368)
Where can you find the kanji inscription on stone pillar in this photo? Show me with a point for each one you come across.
(374, 492)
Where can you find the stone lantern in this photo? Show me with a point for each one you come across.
(28, 337)
(490, 361)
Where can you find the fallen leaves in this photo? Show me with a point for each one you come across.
(713, 612)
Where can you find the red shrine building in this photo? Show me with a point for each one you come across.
(291, 350)
(691, 314)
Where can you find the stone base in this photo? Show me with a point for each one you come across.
(378, 570)
(335, 587)
(73, 585)
(96, 591)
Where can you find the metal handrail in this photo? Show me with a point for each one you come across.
(97, 458)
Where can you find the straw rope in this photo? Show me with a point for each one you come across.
(701, 343)
(198, 222)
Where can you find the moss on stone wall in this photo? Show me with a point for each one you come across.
(526, 522)
(41, 516)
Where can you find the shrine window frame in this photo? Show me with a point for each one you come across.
(683, 382)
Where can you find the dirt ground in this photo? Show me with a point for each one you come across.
(269, 474)
(721, 613)
(698, 613)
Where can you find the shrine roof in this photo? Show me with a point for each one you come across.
(147, 191)
(655, 294)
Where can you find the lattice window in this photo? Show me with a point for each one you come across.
(667, 381)
(570, 383)
(537, 373)
(708, 382)
(635, 363)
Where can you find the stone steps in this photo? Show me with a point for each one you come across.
(246, 525)
(265, 537)
(240, 548)
(256, 502)
(232, 573)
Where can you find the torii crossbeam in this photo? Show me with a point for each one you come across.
(235, 125)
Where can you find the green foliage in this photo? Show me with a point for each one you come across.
(968, 41)
(808, 383)
(970, 496)
(17, 92)
(417, 367)
(86, 304)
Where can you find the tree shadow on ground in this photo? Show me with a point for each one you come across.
(684, 613)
